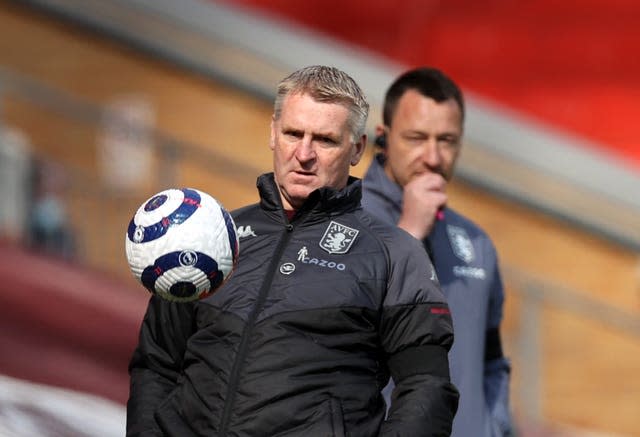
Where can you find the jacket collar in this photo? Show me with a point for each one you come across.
(320, 203)
(379, 184)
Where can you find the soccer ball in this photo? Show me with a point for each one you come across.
(181, 244)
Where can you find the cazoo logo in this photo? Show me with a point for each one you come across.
(303, 258)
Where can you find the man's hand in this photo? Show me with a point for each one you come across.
(423, 197)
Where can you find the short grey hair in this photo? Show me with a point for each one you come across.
(327, 85)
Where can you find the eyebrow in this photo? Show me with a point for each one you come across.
(334, 136)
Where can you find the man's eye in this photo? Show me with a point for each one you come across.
(449, 142)
(415, 140)
(325, 140)
(293, 134)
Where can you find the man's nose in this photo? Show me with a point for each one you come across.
(431, 153)
(305, 150)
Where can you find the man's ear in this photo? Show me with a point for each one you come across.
(381, 137)
(272, 136)
(358, 149)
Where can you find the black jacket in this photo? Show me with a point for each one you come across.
(302, 337)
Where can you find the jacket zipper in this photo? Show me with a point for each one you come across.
(244, 341)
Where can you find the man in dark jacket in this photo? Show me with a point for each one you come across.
(406, 184)
(326, 302)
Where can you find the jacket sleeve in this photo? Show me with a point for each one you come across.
(156, 362)
(497, 368)
(417, 333)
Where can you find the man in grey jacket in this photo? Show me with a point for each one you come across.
(420, 139)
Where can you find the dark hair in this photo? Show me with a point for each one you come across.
(430, 82)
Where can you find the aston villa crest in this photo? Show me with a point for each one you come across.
(461, 243)
(338, 238)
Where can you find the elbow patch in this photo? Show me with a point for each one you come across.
(426, 359)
